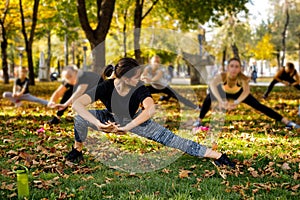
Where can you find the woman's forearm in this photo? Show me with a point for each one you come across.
(245, 93)
(146, 114)
(79, 91)
(79, 106)
(214, 87)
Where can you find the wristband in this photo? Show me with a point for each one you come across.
(236, 102)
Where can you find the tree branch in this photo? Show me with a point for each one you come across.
(149, 10)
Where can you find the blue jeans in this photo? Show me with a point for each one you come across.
(149, 129)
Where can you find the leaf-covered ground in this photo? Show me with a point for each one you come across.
(130, 167)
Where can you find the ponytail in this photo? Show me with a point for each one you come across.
(125, 67)
(108, 72)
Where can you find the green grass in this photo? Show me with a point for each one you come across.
(267, 154)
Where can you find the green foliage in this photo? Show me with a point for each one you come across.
(276, 26)
(191, 13)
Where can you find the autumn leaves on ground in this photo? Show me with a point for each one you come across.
(267, 154)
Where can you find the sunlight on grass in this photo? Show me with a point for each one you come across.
(267, 154)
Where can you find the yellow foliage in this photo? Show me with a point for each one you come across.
(264, 48)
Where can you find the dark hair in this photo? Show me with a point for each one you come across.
(125, 66)
(290, 66)
(235, 59)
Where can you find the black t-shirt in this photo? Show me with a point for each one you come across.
(67, 85)
(122, 106)
(90, 78)
(287, 76)
(23, 84)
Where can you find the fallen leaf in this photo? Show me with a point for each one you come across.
(184, 173)
(285, 166)
(166, 171)
(294, 188)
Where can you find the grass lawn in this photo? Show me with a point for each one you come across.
(130, 167)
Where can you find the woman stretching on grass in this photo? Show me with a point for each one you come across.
(287, 75)
(122, 95)
(21, 90)
(234, 85)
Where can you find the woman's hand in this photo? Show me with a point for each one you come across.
(231, 106)
(108, 127)
(51, 104)
(223, 104)
(286, 83)
(17, 94)
(60, 106)
(122, 129)
(112, 127)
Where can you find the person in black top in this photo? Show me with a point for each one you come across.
(157, 79)
(123, 95)
(230, 89)
(76, 82)
(21, 90)
(287, 75)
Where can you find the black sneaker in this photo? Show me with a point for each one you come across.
(54, 120)
(224, 160)
(74, 156)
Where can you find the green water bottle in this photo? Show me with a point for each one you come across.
(22, 181)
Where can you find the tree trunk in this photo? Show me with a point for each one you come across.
(299, 53)
(100, 63)
(138, 11)
(138, 18)
(66, 50)
(4, 55)
(224, 58)
(48, 60)
(235, 51)
(196, 79)
(124, 30)
(4, 44)
(287, 20)
(96, 37)
(28, 42)
(278, 59)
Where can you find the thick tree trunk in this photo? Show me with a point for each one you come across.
(28, 42)
(99, 65)
(105, 9)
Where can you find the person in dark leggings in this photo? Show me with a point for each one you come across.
(65, 91)
(287, 75)
(76, 82)
(122, 96)
(234, 85)
(156, 81)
